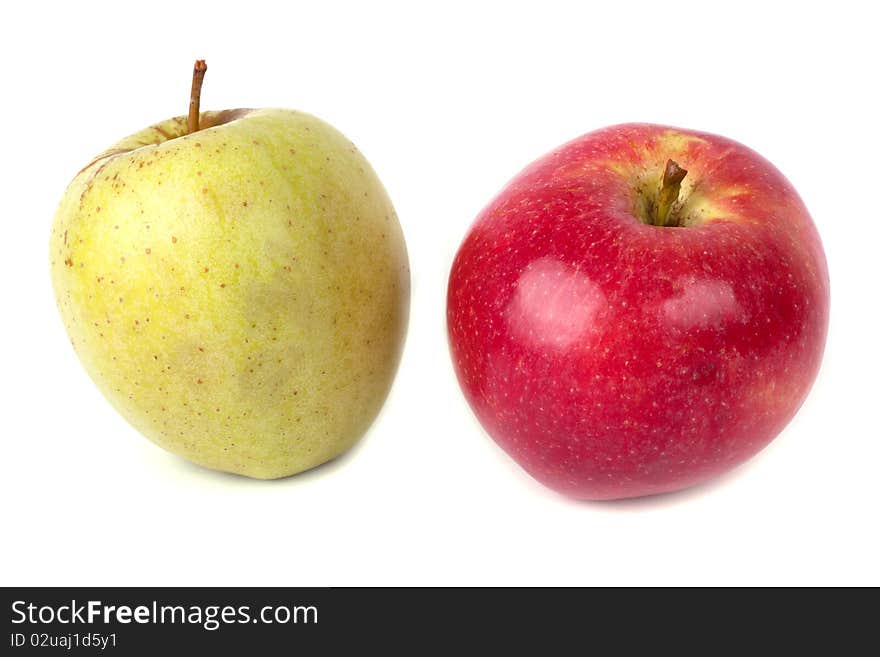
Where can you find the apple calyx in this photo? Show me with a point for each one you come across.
(670, 188)
(195, 94)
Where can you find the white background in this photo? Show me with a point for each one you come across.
(447, 102)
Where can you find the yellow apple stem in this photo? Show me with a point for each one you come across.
(195, 94)
(669, 190)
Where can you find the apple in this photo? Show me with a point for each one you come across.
(638, 311)
(236, 283)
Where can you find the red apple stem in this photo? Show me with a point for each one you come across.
(195, 95)
(669, 190)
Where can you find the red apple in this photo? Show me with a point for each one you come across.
(638, 311)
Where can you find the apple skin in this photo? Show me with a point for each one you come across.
(239, 294)
(612, 358)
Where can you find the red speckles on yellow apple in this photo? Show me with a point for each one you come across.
(231, 279)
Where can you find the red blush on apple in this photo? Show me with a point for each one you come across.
(639, 311)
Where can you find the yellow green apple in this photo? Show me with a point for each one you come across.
(237, 289)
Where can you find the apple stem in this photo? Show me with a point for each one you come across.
(669, 190)
(195, 94)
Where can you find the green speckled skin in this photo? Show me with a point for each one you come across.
(240, 294)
